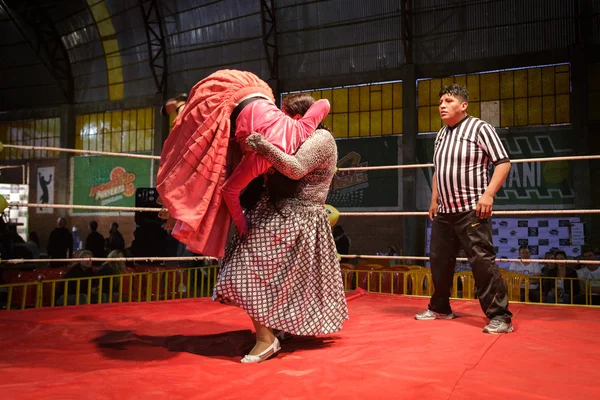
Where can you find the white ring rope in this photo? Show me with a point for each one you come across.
(517, 161)
(77, 151)
(382, 167)
(503, 212)
(354, 256)
(82, 207)
(116, 259)
(342, 214)
(346, 214)
(511, 260)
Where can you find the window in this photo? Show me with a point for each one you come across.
(116, 131)
(516, 97)
(39, 132)
(362, 111)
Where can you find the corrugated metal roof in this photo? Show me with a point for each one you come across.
(491, 29)
(316, 39)
(203, 37)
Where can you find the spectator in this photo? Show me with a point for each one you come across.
(111, 268)
(82, 269)
(33, 245)
(115, 239)
(561, 290)
(21, 248)
(95, 241)
(529, 269)
(35, 239)
(60, 244)
(548, 267)
(591, 275)
(76, 239)
(14, 235)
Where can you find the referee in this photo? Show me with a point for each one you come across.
(462, 196)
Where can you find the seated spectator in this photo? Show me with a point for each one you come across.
(561, 290)
(111, 268)
(529, 269)
(82, 269)
(14, 235)
(591, 274)
(21, 248)
(548, 267)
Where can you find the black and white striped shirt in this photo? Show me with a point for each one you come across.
(462, 158)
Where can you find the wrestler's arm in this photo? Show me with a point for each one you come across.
(312, 118)
(315, 152)
(251, 166)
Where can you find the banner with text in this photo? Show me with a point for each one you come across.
(108, 181)
(352, 189)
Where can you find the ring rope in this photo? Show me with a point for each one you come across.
(342, 214)
(517, 161)
(503, 212)
(347, 214)
(77, 151)
(511, 260)
(373, 168)
(116, 259)
(353, 256)
(83, 207)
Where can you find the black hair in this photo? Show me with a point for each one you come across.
(457, 91)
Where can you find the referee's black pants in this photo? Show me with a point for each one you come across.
(451, 231)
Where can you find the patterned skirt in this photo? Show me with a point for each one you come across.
(285, 273)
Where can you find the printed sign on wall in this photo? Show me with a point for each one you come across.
(357, 189)
(108, 181)
(45, 189)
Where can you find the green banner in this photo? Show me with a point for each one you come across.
(537, 183)
(365, 188)
(108, 181)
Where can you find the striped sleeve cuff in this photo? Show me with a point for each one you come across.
(502, 161)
